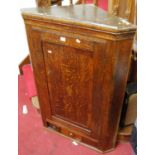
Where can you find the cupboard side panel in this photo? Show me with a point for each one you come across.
(121, 55)
(102, 82)
(37, 59)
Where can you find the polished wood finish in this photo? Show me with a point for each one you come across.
(113, 6)
(124, 134)
(81, 67)
(84, 15)
(126, 9)
(123, 8)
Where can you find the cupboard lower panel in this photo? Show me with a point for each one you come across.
(76, 134)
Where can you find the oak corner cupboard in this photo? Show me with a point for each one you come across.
(80, 57)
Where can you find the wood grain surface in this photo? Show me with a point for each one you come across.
(80, 71)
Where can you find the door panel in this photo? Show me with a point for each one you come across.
(70, 81)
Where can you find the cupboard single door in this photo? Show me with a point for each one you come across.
(70, 82)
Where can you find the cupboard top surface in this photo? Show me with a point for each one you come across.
(86, 15)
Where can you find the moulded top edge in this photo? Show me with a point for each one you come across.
(84, 14)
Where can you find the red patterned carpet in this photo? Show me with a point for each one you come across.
(34, 139)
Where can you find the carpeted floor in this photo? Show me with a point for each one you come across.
(34, 139)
